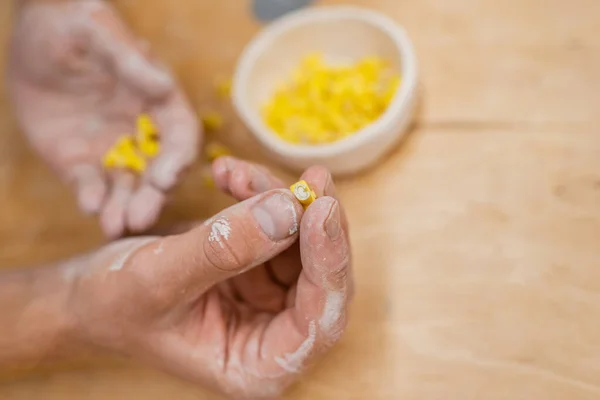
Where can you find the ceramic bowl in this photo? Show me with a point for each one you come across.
(342, 34)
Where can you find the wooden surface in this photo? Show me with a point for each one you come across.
(477, 243)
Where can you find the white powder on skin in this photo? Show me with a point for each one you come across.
(293, 362)
(119, 263)
(329, 323)
(160, 248)
(220, 230)
(294, 227)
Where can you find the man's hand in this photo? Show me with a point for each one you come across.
(243, 302)
(78, 79)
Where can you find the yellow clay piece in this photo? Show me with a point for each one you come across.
(147, 136)
(124, 156)
(136, 163)
(145, 127)
(322, 103)
(132, 151)
(209, 182)
(216, 150)
(223, 87)
(125, 145)
(149, 147)
(112, 159)
(212, 121)
(303, 193)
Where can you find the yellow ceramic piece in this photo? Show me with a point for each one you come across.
(124, 155)
(212, 121)
(145, 127)
(149, 147)
(216, 150)
(112, 159)
(209, 182)
(130, 152)
(223, 87)
(125, 145)
(147, 136)
(303, 193)
(323, 103)
(135, 162)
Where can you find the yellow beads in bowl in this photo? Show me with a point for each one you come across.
(324, 103)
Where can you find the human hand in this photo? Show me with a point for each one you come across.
(78, 79)
(242, 303)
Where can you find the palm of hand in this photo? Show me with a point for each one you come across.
(79, 79)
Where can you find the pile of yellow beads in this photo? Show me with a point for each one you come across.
(324, 103)
(132, 151)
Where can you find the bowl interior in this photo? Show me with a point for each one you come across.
(340, 39)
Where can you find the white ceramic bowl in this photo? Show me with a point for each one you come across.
(341, 34)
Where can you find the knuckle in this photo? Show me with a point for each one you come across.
(340, 272)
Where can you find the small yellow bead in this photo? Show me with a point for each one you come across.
(145, 127)
(149, 147)
(223, 87)
(112, 159)
(212, 121)
(125, 144)
(209, 182)
(216, 150)
(135, 163)
(124, 154)
(303, 193)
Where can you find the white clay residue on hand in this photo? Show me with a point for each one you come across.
(128, 246)
(160, 248)
(294, 362)
(329, 323)
(294, 227)
(220, 230)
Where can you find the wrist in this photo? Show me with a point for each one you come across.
(34, 308)
(22, 3)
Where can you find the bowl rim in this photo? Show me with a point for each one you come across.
(399, 106)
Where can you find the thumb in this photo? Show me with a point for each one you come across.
(237, 239)
(111, 40)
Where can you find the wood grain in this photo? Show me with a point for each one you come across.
(476, 243)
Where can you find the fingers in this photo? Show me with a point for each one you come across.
(320, 180)
(326, 257)
(144, 208)
(180, 140)
(90, 187)
(243, 179)
(322, 294)
(110, 39)
(112, 218)
(234, 241)
(256, 287)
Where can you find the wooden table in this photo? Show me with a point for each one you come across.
(478, 248)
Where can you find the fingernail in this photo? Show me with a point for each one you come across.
(332, 223)
(277, 217)
(259, 182)
(329, 187)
